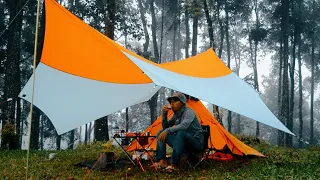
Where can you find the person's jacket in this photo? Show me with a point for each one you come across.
(184, 120)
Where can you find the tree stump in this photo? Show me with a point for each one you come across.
(106, 159)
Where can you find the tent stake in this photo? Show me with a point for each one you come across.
(33, 82)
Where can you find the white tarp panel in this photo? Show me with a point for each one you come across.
(71, 101)
(229, 92)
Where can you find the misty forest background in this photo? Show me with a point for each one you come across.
(243, 33)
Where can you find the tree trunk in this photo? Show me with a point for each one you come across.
(256, 82)
(162, 27)
(41, 131)
(280, 133)
(196, 12)
(312, 90)
(111, 20)
(153, 107)
(58, 141)
(209, 22)
(229, 59)
(300, 77)
(165, 50)
(35, 129)
(127, 119)
(86, 134)
(221, 30)
(21, 131)
(145, 30)
(179, 32)
(174, 9)
(12, 65)
(71, 5)
(174, 43)
(162, 95)
(101, 132)
(80, 138)
(292, 70)
(154, 32)
(153, 101)
(186, 12)
(285, 80)
(18, 122)
(89, 133)
(71, 143)
(174, 39)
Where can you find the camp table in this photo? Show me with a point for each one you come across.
(142, 141)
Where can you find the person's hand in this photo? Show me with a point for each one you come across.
(166, 108)
(162, 137)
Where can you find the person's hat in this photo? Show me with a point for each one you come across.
(178, 96)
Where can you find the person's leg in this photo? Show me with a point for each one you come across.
(161, 148)
(181, 141)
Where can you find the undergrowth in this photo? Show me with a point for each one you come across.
(279, 163)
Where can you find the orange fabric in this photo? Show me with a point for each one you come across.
(218, 156)
(74, 47)
(193, 66)
(219, 136)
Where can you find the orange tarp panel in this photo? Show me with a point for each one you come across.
(193, 66)
(219, 136)
(87, 53)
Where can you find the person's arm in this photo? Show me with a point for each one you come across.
(167, 123)
(185, 122)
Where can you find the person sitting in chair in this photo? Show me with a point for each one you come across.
(182, 132)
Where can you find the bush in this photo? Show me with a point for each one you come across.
(9, 138)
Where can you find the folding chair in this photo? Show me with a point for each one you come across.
(206, 148)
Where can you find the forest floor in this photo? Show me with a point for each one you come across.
(279, 163)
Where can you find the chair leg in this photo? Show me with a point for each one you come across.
(198, 162)
(205, 157)
(184, 162)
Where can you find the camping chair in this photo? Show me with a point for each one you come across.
(206, 148)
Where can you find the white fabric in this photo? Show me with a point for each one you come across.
(71, 101)
(229, 92)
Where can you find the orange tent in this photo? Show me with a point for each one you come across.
(219, 136)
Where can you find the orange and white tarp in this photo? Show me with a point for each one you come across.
(83, 76)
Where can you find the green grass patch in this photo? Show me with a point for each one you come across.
(280, 163)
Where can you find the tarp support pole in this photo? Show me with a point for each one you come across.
(33, 82)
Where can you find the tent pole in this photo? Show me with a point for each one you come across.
(33, 82)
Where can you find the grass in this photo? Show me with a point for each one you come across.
(280, 163)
